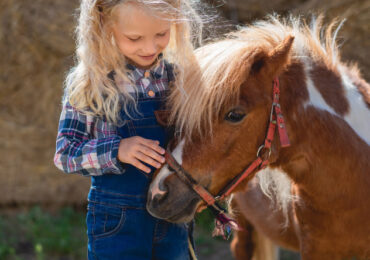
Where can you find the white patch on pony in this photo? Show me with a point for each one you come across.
(165, 172)
(315, 98)
(358, 109)
(358, 115)
(276, 185)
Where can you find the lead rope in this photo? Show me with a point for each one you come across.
(191, 250)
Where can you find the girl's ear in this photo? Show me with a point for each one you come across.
(273, 62)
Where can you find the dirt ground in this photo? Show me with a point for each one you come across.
(216, 251)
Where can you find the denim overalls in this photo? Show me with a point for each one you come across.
(119, 226)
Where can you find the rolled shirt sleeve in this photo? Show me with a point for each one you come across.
(77, 151)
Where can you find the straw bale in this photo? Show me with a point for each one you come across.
(36, 48)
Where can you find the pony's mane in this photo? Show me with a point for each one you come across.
(214, 83)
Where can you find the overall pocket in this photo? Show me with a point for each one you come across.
(104, 220)
(144, 124)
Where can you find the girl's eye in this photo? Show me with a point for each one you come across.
(162, 34)
(134, 39)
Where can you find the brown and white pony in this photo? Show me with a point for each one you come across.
(314, 195)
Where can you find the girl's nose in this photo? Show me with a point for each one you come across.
(150, 48)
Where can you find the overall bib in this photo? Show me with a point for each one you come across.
(119, 226)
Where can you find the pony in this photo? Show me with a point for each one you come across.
(311, 193)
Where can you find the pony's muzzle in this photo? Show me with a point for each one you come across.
(172, 200)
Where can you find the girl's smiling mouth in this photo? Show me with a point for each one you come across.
(150, 57)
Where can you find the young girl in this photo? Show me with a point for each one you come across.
(107, 129)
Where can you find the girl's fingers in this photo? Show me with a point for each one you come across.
(147, 151)
(147, 159)
(139, 165)
(152, 153)
(153, 144)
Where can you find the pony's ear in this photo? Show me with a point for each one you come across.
(280, 56)
(275, 61)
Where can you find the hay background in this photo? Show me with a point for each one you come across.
(37, 50)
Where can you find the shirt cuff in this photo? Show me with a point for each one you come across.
(114, 155)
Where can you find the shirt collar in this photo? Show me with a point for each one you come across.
(156, 71)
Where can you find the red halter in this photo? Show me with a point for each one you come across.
(276, 118)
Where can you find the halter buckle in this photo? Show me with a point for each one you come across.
(260, 149)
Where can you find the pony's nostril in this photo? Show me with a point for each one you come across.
(158, 199)
(163, 187)
(159, 192)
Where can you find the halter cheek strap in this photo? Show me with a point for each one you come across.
(186, 178)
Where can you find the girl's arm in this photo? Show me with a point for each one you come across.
(78, 152)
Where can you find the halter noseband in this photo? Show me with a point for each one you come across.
(276, 118)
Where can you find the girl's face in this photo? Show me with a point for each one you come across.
(140, 35)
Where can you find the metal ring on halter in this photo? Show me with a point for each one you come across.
(259, 150)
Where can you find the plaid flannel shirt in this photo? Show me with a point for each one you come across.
(88, 145)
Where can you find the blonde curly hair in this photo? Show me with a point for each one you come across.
(87, 87)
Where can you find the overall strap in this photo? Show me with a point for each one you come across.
(170, 72)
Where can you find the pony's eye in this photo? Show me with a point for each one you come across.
(234, 115)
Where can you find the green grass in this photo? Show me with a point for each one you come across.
(38, 234)
(42, 235)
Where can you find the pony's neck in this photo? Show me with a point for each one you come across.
(327, 158)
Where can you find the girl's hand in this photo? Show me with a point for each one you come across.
(135, 150)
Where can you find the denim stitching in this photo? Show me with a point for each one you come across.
(93, 214)
(105, 221)
(93, 249)
(162, 234)
(155, 231)
(115, 205)
(116, 229)
(119, 194)
(131, 128)
(165, 229)
(93, 237)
